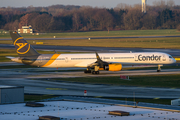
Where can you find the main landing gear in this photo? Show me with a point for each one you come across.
(93, 71)
(89, 71)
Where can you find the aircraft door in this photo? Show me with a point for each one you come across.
(164, 57)
(66, 59)
(136, 57)
(40, 60)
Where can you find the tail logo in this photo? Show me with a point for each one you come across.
(21, 45)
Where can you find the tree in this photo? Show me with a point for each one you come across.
(24, 20)
(178, 27)
(132, 20)
(161, 4)
(169, 25)
(122, 6)
(88, 17)
(120, 18)
(149, 20)
(76, 21)
(164, 16)
(170, 3)
(2, 21)
(42, 23)
(108, 21)
(57, 24)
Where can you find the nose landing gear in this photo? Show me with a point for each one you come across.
(159, 68)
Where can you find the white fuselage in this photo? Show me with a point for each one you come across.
(83, 60)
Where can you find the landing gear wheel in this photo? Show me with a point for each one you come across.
(95, 72)
(158, 70)
(87, 71)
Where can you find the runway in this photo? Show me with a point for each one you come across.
(96, 37)
(38, 81)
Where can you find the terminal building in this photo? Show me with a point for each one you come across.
(11, 94)
(26, 29)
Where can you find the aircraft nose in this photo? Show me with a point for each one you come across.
(174, 61)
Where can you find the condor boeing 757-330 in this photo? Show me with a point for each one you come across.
(94, 62)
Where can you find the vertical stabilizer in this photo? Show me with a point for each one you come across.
(23, 48)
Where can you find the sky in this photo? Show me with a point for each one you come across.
(93, 3)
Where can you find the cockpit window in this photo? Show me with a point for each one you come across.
(170, 57)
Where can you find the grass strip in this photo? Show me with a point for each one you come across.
(121, 33)
(37, 97)
(156, 101)
(128, 42)
(168, 81)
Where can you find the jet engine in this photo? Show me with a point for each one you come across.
(113, 67)
(27, 61)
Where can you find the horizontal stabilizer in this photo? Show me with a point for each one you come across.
(10, 57)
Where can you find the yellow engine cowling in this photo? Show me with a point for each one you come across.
(115, 67)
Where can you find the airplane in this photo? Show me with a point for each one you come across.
(94, 62)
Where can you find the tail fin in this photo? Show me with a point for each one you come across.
(23, 48)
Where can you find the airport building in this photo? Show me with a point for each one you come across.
(11, 94)
(79, 110)
(26, 29)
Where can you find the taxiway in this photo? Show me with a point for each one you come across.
(173, 52)
(96, 37)
(38, 81)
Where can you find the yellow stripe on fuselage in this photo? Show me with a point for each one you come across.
(53, 58)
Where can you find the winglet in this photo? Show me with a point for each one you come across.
(100, 62)
(97, 56)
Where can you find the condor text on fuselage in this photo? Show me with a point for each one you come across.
(149, 58)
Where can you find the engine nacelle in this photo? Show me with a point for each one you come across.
(27, 61)
(114, 67)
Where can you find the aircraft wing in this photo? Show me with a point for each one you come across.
(84, 64)
(138, 66)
